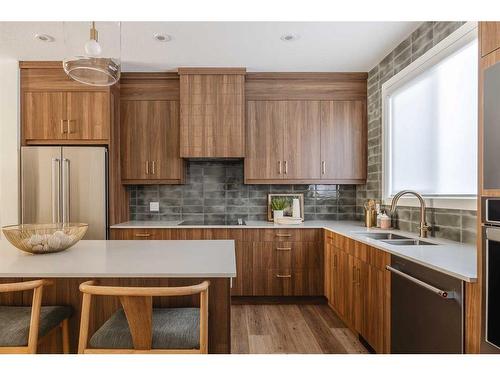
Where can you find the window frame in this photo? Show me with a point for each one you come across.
(456, 40)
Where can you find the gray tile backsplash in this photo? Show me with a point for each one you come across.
(214, 193)
(457, 225)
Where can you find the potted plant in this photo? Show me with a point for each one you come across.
(278, 205)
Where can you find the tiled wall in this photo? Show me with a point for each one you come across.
(458, 225)
(214, 193)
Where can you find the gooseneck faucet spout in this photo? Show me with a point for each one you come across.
(424, 228)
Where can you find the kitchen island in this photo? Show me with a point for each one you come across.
(126, 263)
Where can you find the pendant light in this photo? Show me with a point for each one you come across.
(93, 69)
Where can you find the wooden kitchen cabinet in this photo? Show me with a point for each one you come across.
(302, 140)
(343, 141)
(357, 288)
(306, 128)
(265, 141)
(269, 262)
(372, 286)
(306, 141)
(489, 37)
(55, 116)
(149, 140)
(149, 129)
(283, 141)
(58, 110)
(44, 115)
(88, 115)
(212, 112)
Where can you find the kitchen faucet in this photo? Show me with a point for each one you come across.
(424, 228)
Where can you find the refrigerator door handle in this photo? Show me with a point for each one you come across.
(55, 188)
(65, 190)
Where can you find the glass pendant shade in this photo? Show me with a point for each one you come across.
(93, 68)
(94, 71)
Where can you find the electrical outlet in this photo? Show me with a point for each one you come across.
(154, 206)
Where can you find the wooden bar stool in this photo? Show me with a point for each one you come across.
(21, 326)
(140, 328)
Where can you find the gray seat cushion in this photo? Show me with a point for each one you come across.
(15, 322)
(172, 328)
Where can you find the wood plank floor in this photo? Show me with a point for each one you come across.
(268, 329)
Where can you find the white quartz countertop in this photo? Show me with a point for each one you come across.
(175, 259)
(449, 257)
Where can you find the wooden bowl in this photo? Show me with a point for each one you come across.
(44, 238)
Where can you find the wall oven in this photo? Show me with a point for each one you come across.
(491, 273)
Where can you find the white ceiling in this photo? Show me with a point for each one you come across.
(321, 46)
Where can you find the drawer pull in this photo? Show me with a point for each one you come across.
(283, 235)
(283, 276)
(283, 248)
(143, 234)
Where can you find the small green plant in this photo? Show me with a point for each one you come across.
(279, 204)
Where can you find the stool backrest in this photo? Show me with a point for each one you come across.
(137, 303)
(36, 306)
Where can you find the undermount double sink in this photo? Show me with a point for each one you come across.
(395, 239)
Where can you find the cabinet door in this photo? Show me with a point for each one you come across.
(44, 115)
(353, 308)
(212, 115)
(490, 37)
(134, 138)
(302, 140)
(372, 326)
(88, 115)
(265, 128)
(340, 277)
(329, 270)
(268, 279)
(163, 121)
(343, 140)
(242, 283)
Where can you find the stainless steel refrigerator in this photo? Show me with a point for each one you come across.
(65, 184)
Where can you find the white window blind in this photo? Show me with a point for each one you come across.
(431, 127)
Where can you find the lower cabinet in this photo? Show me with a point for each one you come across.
(357, 286)
(269, 262)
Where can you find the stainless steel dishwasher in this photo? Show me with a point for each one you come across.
(427, 309)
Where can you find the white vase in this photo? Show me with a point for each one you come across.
(277, 214)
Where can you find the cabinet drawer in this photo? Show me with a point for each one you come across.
(137, 234)
(290, 235)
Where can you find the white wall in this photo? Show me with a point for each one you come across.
(9, 142)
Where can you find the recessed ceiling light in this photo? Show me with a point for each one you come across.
(162, 37)
(289, 37)
(44, 38)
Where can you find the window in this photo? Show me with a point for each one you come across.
(430, 122)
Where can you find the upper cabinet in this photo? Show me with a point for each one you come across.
(58, 110)
(343, 140)
(283, 140)
(306, 128)
(149, 130)
(489, 37)
(212, 112)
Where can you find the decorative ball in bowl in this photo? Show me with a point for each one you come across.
(44, 238)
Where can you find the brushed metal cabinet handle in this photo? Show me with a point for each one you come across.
(286, 167)
(323, 167)
(279, 167)
(283, 276)
(153, 167)
(283, 235)
(147, 166)
(143, 234)
(283, 248)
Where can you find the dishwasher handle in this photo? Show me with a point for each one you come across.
(442, 293)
